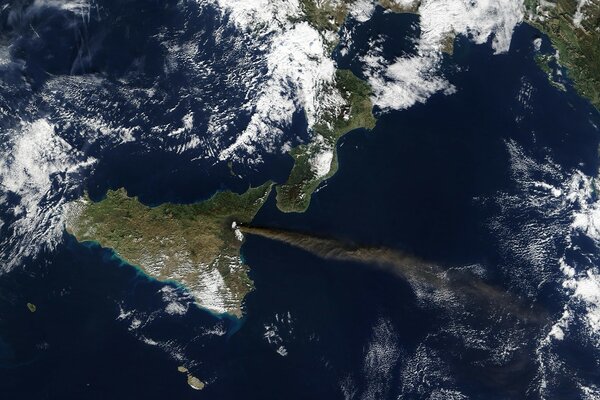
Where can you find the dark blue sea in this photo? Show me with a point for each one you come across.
(421, 181)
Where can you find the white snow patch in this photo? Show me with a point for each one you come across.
(238, 234)
(362, 10)
(579, 15)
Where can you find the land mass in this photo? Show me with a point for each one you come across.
(574, 29)
(198, 244)
(194, 244)
(192, 381)
(317, 161)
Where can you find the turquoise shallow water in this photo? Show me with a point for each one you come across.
(318, 329)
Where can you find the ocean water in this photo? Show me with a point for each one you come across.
(421, 181)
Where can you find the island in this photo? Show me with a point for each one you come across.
(196, 245)
(192, 381)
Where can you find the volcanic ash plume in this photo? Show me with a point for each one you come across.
(418, 272)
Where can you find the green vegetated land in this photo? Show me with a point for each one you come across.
(325, 15)
(294, 195)
(186, 243)
(190, 243)
(578, 45)
(328, 17)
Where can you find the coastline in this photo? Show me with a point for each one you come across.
(236, 321)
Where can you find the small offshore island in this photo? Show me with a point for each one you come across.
(196, 245)
(192, 381)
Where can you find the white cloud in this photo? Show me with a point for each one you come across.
(39, 168)
(250, 14)
(298, 70)
(552, 211)
(76, 6)
(579, 14)
(413, 79)
(362, 10)
(478, 19)
(405, 82)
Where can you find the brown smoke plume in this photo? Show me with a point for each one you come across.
(418, 272)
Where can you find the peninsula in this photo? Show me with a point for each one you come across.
(574, 29)
(316, 161)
